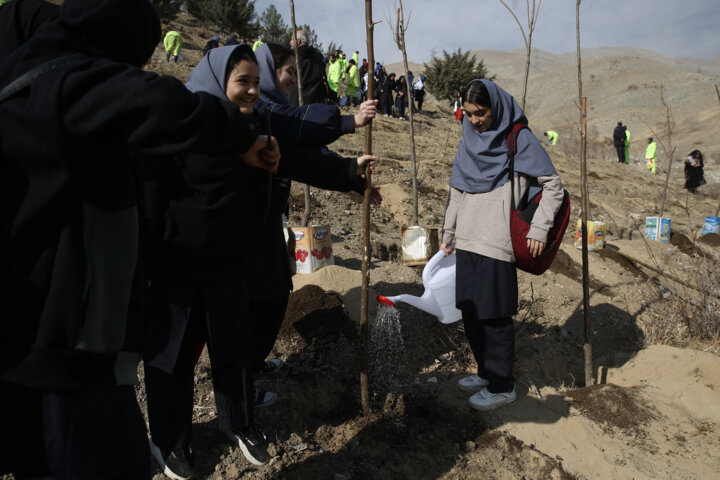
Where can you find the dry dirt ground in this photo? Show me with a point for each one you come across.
(653, 413)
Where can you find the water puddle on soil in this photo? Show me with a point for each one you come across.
(386, 353)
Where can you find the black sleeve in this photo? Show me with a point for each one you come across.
(321, 168)
(311, 125)
(154, 114)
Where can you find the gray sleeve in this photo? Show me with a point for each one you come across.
(547, 209)
(451, 210)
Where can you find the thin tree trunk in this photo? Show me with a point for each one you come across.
(364, 329)
(669, 149)
(399, 34)
(306, 187)
(585, 200)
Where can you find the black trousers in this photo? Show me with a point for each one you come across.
(486, 292)
(267, 319)
(492, 342)
(184, 315)
(620, 153)
(78, 435)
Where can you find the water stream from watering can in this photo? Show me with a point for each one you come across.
(386, 353)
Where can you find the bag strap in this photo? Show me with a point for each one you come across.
(27, 78)
(512, 151)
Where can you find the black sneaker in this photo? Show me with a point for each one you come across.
(253, 443)
(271, 367)
(177, 464)
(263, 398)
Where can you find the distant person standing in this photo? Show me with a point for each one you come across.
(619, 138)
(419, 88)
(650, 155)
(387, 95)
(173, 44)
(258, 42)
(333, 77)
(694, 173)
(552, 137)
(232, 41)
(627, 145)
(312, 72)
(353, 84)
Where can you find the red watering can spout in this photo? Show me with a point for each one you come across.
(385, 301)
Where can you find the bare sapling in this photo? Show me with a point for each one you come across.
(399, 35)
(717, 91)
(364, 327)
(532, 16)
(585, 201)
(670, 125)
(306, 189)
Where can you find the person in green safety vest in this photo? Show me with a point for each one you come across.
(627, 145)
(353, 83)
(172, 43)
(333, 76)
(552, 137)
(356, 56)
(257, 43)
(650, 155)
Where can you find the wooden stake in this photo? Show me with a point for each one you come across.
(669, 149)
(306, 189)
(364, 329)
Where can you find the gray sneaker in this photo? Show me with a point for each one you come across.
(486, 401)
(472, 383)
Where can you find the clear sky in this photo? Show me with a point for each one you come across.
(672, 27)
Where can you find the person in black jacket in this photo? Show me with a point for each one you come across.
(71, 318)
(387, 95)
(19, 19)
(312, 70)
(619, 141)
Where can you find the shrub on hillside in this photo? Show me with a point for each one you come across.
(447, 76)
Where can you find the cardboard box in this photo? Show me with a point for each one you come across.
(657, 228)
(419, 244)
(596, 239)
(313, 248)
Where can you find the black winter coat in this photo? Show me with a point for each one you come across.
(68, 192)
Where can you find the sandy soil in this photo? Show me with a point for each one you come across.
(654, 410)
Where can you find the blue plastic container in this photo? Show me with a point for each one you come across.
(712, 225)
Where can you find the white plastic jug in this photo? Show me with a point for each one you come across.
(439, 296)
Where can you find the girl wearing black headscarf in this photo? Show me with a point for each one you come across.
(694, 173)
(477, 217)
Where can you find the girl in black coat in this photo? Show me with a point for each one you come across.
(387, 94)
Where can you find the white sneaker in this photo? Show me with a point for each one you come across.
(484, 400)
(472, 383)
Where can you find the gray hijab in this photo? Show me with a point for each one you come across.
(481, 163)
(269, 90)
(209, 75)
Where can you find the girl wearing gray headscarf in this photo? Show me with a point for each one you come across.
(477, 217)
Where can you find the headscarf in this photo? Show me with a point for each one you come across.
(209, 75)
(481, 164)
(269, 90)
(92, 28)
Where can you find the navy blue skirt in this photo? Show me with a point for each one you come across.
(485, 287)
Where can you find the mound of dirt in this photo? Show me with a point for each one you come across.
(613, 406)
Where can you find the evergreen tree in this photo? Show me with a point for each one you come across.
(272, 27)
(451, 74)
(198, 9)
(232, 15)
(332, 48)
(167, 9)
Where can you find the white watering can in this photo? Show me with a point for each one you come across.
(439, 298)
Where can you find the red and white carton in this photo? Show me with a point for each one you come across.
(313, 248)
